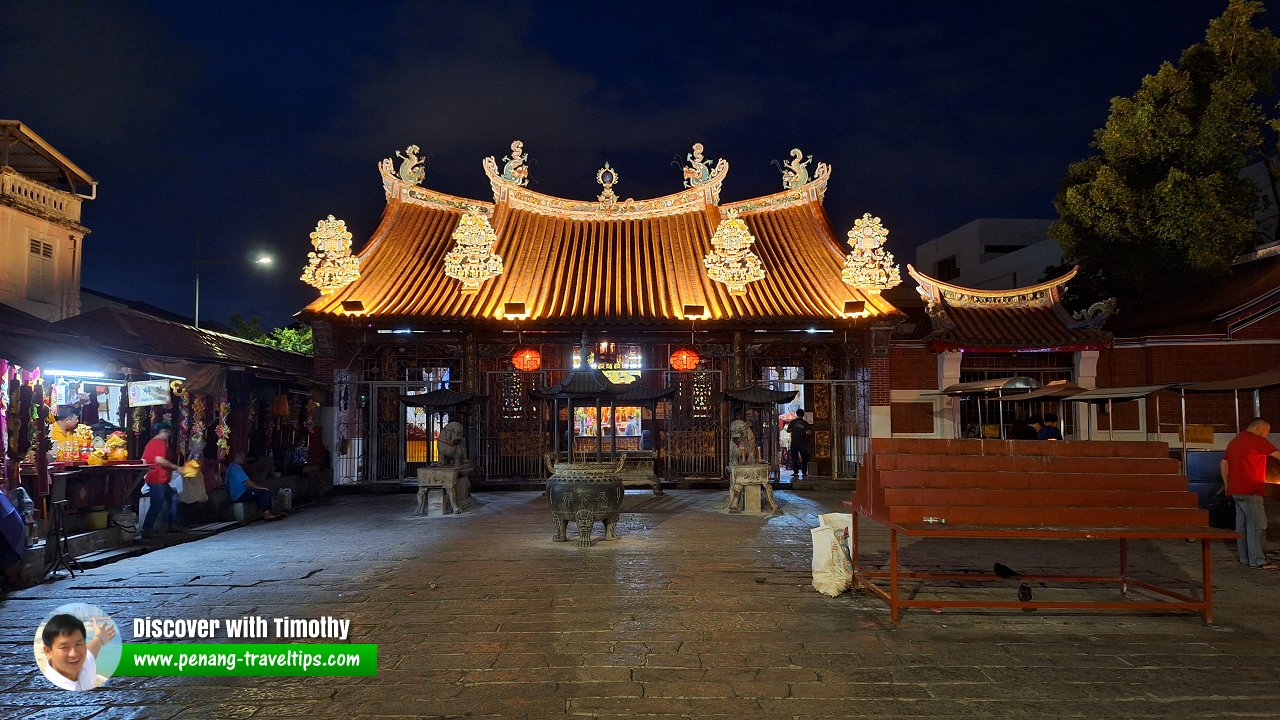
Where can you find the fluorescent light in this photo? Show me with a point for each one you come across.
(168, 377)
(74, 373)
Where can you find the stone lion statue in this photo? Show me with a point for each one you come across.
(451, 445)
(742, 444)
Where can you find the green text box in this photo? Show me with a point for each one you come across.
(248, 660)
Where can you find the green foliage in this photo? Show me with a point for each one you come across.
(1162, 208)
(295, 338)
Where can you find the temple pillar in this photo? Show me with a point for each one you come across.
(878, 367)
(948, 375)
(1086, 376)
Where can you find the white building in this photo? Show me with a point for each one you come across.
(991, 254)
(41, 238)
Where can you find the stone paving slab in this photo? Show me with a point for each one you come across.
(693, 613)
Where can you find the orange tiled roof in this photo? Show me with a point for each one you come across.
(1021, 319)
(573, 264)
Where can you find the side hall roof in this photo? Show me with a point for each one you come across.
(578, 263)
(1018, 320)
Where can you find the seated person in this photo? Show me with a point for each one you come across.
(72, 661)
(241, 488)
(1050, 431)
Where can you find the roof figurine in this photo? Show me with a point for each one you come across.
(698, 171)
(412, 168)
(795, 172)
(472, 260)
(607, 177)
(515, 167)
(731, 261)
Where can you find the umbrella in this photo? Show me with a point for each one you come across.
(12, 528)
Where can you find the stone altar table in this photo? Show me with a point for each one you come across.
(746, 485)
(452, 479)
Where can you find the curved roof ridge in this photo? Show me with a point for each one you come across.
(397, 189)
(812, 191)
(687, 200)
(1054, 286)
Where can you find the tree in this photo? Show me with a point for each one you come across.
(1162, 207)
(295, 338)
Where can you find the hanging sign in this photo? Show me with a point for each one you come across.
(148, 392)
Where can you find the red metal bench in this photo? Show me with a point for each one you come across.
(1029, 489)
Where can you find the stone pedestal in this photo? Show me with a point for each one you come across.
(749, 489)
(454, 482)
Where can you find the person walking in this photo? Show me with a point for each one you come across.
(1244, 470)
(801, 444)
(156, 455)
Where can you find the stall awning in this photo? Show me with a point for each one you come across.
(1017, 383)
(34, 352)
(1257, 381)
(1118, 394)
(1054, 390)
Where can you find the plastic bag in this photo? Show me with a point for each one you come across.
(175, 481)
(832, 571)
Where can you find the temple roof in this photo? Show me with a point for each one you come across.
(575, 263)
(1020, 319)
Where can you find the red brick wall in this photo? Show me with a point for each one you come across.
(1265, 329)
(880, 380)
(914, 368)
(911, 417)
(1189, 363)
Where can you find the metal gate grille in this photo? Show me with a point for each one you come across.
(514, 429)
(693, 441)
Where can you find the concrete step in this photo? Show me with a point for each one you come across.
(98, 558)
(1042, 448)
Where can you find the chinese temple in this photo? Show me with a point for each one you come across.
(684, 295)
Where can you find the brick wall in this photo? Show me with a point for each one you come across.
(914, 368)
(912, 417)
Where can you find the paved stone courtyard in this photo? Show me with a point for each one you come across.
(692, 613)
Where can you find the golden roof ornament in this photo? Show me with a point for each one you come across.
(607, 177)
(472, 261)
(331, 267)
(412, 168)
(698, 171)
(795, 172)
(868, 266)
(515, 167)
(731, 261)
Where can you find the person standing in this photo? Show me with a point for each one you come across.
(1244, 470)
(159, 473)
(801, 444)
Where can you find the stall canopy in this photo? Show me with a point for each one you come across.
(439, 399)
(996, 386)
(1053, 390)
(757, 395)
(1257, 381)
(1102, 396)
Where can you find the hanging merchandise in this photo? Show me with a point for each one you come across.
(223, 430)
(195, 445)
(280, 406)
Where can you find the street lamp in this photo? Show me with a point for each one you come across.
(256, 258)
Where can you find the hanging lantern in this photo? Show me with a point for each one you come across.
(868, 266)
(685, 360)
(527, 359)
(331, 267)
(731, 261)
(472, 261)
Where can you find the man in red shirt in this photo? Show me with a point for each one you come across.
(1244, 470)
(156, 455)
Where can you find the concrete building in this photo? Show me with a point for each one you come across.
(991, 254)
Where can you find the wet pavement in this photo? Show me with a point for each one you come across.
(691, 613)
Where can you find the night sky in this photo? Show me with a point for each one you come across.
(248, 122)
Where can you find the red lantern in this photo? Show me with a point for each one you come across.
(684, 360)
(527, 359)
